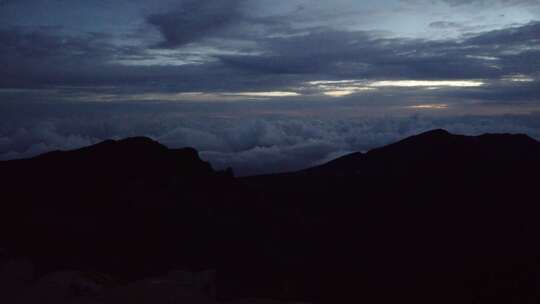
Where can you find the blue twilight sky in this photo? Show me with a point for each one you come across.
(261, 85)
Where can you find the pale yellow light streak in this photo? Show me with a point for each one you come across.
(441, 106)
(427, 83)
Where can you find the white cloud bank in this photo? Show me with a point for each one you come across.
(251, 145)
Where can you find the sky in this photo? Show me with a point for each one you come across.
(264, 86)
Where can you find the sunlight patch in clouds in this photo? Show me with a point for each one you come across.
(344, 91)
(481, 57)
(441, 106)
(264, 94)
(518, 78)
(427, 83)
(340, 88)
(184, 96)
(330, 82)
(339, 93)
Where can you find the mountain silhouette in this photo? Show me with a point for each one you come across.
(131, 157)
(115, 198)
(438, 148)
(435, 217)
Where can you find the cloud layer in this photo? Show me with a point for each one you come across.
(264, 86)
(192, 20)
(251, 145)
(38, 58)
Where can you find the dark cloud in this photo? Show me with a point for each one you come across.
(501, 92)
(519, 35)
(37, 57)
(194, 19)
(46, 43)
(44, 57)
(33, 57)
(364, 55)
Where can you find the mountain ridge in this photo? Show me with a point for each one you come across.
(432, 137)
(410, 220)
(432, 144)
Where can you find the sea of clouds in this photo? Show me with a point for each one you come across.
(250, 144)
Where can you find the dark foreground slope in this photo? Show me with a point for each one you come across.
(110, 206)
(435, 217)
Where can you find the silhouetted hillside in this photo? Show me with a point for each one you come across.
(112, 199)
(438, 148)
(435, 217)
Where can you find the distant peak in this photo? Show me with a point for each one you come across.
(435, 132)
(139, 140)
(435, 135)
(138, 143)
